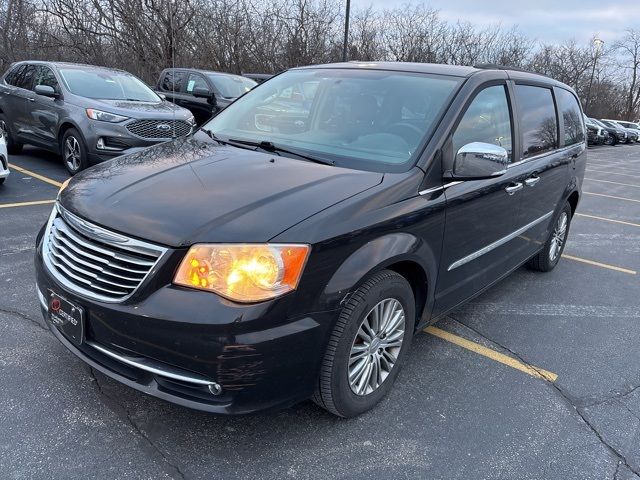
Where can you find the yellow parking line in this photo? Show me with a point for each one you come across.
(608, 219)
(612, 196)
(36, 175)
(599, 264)
(25, 204)
(615, 183)
(492, 354)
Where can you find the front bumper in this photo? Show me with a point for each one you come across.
(123, 141)
(174, 342)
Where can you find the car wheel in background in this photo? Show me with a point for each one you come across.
(609, 140)
(548, 257)
(74, 152)
(13, 147)
(367, 346)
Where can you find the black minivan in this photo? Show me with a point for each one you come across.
(291, 247)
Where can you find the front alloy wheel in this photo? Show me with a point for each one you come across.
(72, 153)
(376, 347)
(367, 346)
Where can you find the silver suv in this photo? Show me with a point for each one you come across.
(88, 114)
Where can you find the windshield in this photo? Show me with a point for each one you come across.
(106, 85)
(598, 122)
(368, 119)
(232, 86)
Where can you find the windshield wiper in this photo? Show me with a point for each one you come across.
(270, 147)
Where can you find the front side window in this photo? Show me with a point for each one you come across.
(487, 120)
(571, 117)
(106, 85)
(45, 76)
(367, 119)
(538, 121)
(196, 81)
(173, 81)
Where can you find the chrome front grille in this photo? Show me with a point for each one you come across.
(159, 129)
(93, 261)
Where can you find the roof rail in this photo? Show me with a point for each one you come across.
(495, 66)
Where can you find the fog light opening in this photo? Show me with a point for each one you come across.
(100, 143)
(215, 389)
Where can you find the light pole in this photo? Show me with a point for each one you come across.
(346, 32)
(598, 44)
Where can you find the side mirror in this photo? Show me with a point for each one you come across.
(478, 160)
(200, 92)
(46, 91)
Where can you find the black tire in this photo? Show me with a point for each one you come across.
(2, 180)
(76, 160)
(13, 147)
(547, 258)
(609, 140)
(334, 392)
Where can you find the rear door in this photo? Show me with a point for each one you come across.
(549, 145)
(17, 100)
(482, 218)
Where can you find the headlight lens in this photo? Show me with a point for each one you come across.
(243, 272)
(104, 116)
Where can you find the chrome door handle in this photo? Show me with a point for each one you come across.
(513, 188)
(531, 181)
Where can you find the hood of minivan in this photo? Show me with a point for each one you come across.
(191, 191)
(161, 110)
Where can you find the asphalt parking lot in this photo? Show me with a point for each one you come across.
(537, 378)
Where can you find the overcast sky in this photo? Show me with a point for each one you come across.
(546, 20)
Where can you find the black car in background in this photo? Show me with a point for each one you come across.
(596, 135)
(258, 263)
(203, 92)
(617, 134)
(631, 135)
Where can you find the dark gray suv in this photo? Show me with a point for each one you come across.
(86, 113)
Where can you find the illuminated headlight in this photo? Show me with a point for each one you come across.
(243, 272)
(105, 116)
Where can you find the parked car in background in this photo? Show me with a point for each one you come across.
(621, 133)
(4, 159)
(257, 268)
(631, 125)
(203, 92)
(632, 133)
(596, 135)
(614, 136)
(86, 113)
(258, 77)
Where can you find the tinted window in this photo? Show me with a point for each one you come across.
(486, 120)
(26, 77)
(106, 85)
(173, 81)
(571, 117)
(45, 76)
(196, 81)
(368, 119)
(538, 120)
(14, 74)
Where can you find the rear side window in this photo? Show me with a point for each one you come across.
(26, 78)
(487, 120)
(538, 120)
(173, 81)
(571, 117)
(12, 76)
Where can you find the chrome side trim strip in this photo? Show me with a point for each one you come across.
(149, 365)
(497, 243)
(437, 189)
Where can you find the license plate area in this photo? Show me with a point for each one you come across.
(67, 317)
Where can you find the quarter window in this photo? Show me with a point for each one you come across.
(571, 117)
(538, 122)
(487, 120)
(26, 78)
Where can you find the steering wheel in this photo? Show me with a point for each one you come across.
(408, 132)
